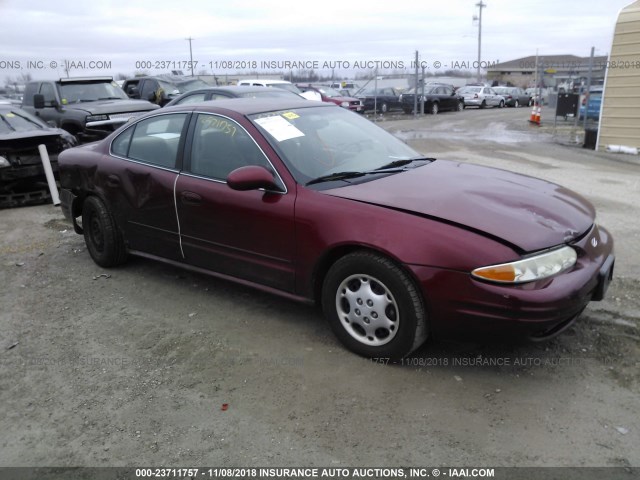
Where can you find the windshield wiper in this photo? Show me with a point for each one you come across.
(110, 98)
(404, 161)
(346, 175)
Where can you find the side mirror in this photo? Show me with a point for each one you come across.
(252, 177)
(152, 97)
(133, 92)
(38, 100)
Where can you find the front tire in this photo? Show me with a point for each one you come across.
(483, 104)
(373, 306)
(460, 106)
(501, 104)
(517, 104)
(101, 234)
(434, 109)
(384, 108)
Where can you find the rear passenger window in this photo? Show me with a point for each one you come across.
(154, 140)
(120, 146)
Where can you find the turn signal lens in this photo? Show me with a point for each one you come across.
(529, 269)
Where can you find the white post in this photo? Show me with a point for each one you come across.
(48, 171)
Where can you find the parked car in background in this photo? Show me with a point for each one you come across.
(22, 177)
(88, 107)
(161, 89)
(282, 84)
(436, 98)
(514, 96)
(222, 93)
(481, 97)
(333, 96)
(312, 202)
(383, 99)
(534, 93)
(591, 103)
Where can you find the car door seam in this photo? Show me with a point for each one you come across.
(175, 204)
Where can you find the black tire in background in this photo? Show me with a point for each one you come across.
(364, 290)
(101, 234)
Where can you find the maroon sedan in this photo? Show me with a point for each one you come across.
(318, 204)
(333, 96)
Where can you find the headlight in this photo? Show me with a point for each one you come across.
(4, 162)
(529, 269)
(345, 104)
(97, 118)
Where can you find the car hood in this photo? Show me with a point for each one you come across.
(525, 212)
(100, 107)
(36, 135)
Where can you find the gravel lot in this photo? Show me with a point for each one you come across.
(132, 366)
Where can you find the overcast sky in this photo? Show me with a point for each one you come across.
(125, 32)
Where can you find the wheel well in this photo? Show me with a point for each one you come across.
(332, 256)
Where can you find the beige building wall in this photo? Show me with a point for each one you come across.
(620, 112)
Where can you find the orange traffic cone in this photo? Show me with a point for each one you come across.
(539, 115)
(535, 114)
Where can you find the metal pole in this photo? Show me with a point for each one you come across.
(190, 55)
(375, 95)
(422, 93)
(588, 94)
(480, 6)
(415, 90)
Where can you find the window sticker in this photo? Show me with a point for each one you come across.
(10, 115)
(290, 115)
(279, 128)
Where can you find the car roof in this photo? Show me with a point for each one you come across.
(249, 106)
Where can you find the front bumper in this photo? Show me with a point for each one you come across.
(459, 304)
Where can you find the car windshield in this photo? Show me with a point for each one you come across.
(318, 141)
(369, 93)
(18, 121)
(329, 92)
(77, 92)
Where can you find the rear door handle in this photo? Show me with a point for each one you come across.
(190, 198)
(113, 181)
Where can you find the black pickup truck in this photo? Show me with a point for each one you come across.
(89, 108)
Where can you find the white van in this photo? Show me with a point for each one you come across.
(263, 82)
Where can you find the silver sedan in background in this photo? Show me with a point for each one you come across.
(481, 97)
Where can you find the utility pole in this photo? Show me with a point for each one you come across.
(190, 55)
(415, 97)
(480, 6)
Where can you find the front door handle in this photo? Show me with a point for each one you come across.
(190, 198)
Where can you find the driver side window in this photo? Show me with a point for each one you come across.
(220, 146)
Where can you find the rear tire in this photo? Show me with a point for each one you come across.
(434, 108)
(460, 106)
(483, 104)
(101, 234)
(517, 104)
(373, 306)
(501, 104)
(384, 108)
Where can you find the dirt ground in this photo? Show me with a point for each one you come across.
(132, 366)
